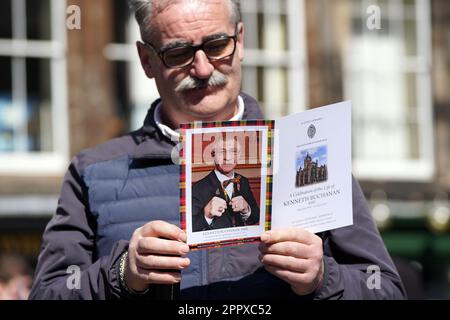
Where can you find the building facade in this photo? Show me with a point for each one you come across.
(311, 172)
(65, 87)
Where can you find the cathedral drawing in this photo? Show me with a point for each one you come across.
(311, 172)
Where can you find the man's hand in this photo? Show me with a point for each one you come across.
(215, 207)
(294, 255)
(156, 254)
(239, 205)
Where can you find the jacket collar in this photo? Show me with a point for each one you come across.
(252, 111)
(154, 144)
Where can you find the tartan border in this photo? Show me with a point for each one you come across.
(223, 243)
(226, 124)
(270, 124)
(269, 177)
(182, 156)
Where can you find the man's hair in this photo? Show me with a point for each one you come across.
(145, 9)
(224, 141)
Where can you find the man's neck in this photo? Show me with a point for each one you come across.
(229, 174)
(220, 174)
(173, 119)
(165, 125)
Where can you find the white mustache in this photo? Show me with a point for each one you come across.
(217, 79)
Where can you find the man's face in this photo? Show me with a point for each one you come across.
(226, 155)
(193, 21)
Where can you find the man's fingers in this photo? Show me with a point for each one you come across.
(285, 262)
(289, 234)
(151, 262)
(159, 276)
(301, 283)
(164, 230)
(288, 248)
(154, 254)
(289, 276)
(238, 204)
(217, 213)
(161, 246)
(218, 206)
(238, 199)
(219, 201)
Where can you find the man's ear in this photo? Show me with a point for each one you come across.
(240, 40)
(144, 57)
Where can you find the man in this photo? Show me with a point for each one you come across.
(118, 214)
(223, 199)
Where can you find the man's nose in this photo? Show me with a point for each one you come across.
(201, 67)
(229, 156)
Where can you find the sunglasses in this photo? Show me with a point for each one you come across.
(217, 48)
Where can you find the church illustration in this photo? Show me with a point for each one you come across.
(311, 172)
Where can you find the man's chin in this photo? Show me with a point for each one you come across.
(226, 170)
(198, 94)
(204, 103)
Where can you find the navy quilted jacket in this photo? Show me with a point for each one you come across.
(111, 190)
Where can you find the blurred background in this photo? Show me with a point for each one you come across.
(70, 79)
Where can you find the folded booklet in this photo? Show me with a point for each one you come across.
(241, 178)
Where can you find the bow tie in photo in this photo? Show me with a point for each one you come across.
(227, 182)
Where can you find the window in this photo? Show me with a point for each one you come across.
(387, 76)
(134, 91)
(33, 102)
(275, 55)
(274, 68)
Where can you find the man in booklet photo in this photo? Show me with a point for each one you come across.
(117, 229)
(223, 199)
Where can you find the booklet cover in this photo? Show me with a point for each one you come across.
(241, 178)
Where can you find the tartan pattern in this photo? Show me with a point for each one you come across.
(182, 157)
(223, 243)
(270, 124)
(269, 177)
(225, 124)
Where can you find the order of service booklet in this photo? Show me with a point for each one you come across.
(241, 178)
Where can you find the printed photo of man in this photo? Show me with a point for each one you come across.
(223, 199)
